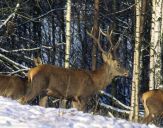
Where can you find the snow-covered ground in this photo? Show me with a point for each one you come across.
(14, 115)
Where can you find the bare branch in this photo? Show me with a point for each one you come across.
(120, 103)
(10, 16)
(31, 49)
(14, 72)
(12, 62)
(115, 109)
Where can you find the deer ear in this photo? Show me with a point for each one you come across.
(104, 56)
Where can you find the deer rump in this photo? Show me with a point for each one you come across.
(12, 86)
(153, 105)
(61, 83)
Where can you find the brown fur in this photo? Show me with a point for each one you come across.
(12, 86)
(153, 104)
(70, 83)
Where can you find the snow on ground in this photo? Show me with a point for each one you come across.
(15, 115)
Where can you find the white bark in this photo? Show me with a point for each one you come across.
(68, 34)
(158, 43)
(151, 76)
(136, 66)
(162, 46)
(155, 46)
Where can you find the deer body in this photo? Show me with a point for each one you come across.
(153, 104)
(69, 83)
(65, 82)
(12, 86)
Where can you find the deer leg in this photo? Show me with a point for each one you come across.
(83, 104)
(148, 118)
(76, 103)
(56, 93)
(21, 100)
(80, 103)
(32, 92)
(43, 101)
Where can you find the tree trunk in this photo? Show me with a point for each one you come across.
(136, 66)
(162, 47)
(158, 10)
(68, 34)
(95, 32)
(155, 47)
(151, 75)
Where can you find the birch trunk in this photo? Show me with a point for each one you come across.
(162, 47)
(155, 46)
(158, 10)
(68, 34)
(136, 66)
(151, 76)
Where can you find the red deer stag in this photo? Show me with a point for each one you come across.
(13, 86)
(153, 104)
(75, 83)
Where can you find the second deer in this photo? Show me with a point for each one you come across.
(153, 104)
(13, 87)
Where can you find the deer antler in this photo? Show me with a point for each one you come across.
(108, 36)
(97, 40)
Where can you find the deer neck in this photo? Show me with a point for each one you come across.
(102, 76)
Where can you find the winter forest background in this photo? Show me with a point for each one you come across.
(32, 28)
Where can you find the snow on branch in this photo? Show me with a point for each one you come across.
(14, 72)
(31, 49)
(12, 62)
(10, 16)
(6, 51)
(115, 109)
(117, 101)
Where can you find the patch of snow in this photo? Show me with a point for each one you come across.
(15, 115)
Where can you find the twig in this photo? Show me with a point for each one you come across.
(31, 49)
(39, 17)
(115, 109)
(120, 103)
(12, 62)
(10, 16)
(14, 72)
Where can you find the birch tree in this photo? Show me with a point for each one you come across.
(155, 46)
(68, 34)
(162, 46)
(136, 65)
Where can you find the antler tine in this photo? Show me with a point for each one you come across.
(108, 36)
(118, 42)
(97, 40)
